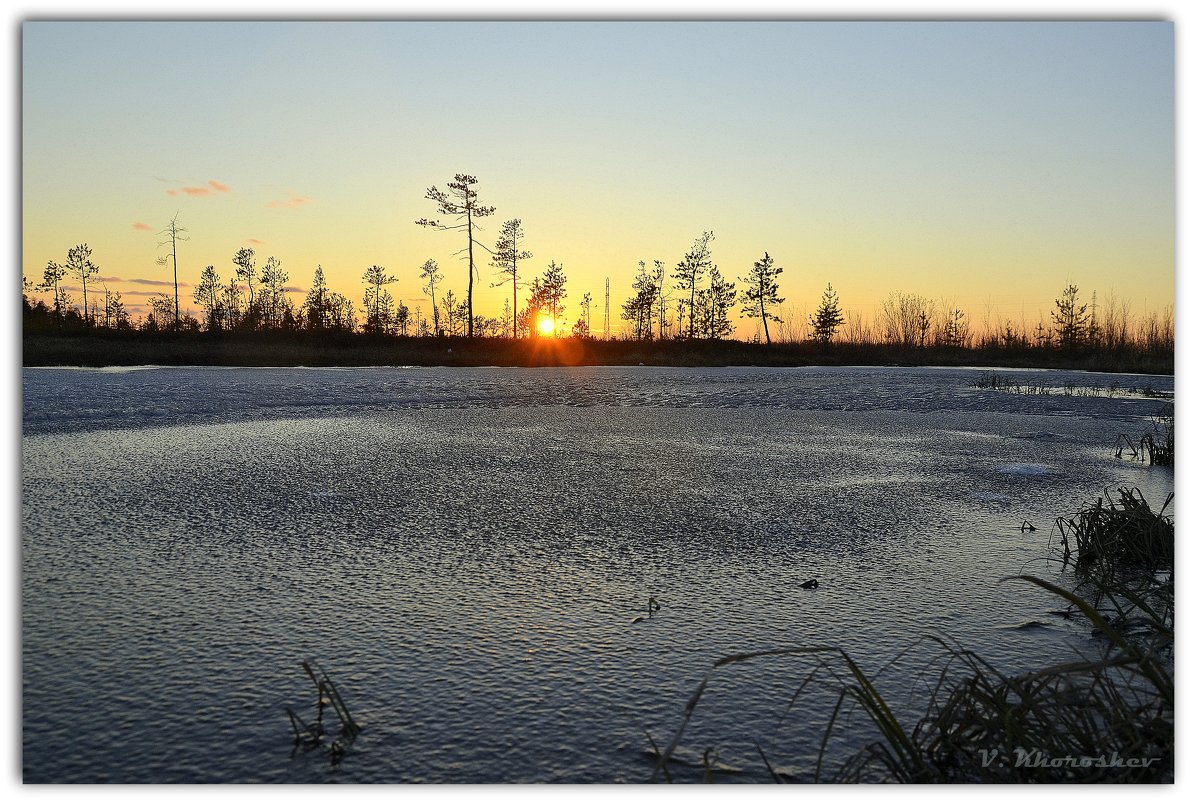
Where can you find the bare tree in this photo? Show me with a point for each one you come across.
(173, 234)
(1115, 322)
(860, 331)
(460, 201)
(906, 318)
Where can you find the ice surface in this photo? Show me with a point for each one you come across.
(465, 551)
(1027, 470)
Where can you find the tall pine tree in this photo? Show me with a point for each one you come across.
(460, 202)
(760, 297)
(691, 269)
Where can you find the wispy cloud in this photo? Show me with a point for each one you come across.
(151, 282)
(115, 279)
(209, 188)
(145, 292)
(292, 289)
(295, 201)
(140, 226)
(253, 242)
(145, 308)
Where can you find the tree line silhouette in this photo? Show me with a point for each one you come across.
(693, 302)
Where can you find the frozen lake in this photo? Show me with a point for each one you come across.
(465, 551)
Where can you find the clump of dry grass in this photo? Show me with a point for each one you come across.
(309, 736)
(1123, 534)
(1106, 717)
(1155, 445)
(1068, 388)
(1158, 443)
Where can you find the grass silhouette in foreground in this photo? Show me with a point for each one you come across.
(1106, 717)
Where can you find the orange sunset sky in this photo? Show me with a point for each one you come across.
(985, 164)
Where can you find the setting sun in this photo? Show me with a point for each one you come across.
(545, 325)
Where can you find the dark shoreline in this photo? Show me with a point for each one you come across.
(307, 349)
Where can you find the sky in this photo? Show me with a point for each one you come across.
(984, 164)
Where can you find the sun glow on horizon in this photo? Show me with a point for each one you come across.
(546, 326)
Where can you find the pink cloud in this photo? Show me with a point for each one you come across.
(292, 289)
(151, 282)
(140, 226)
(253, 242)
(207, 190)
(295, 201)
